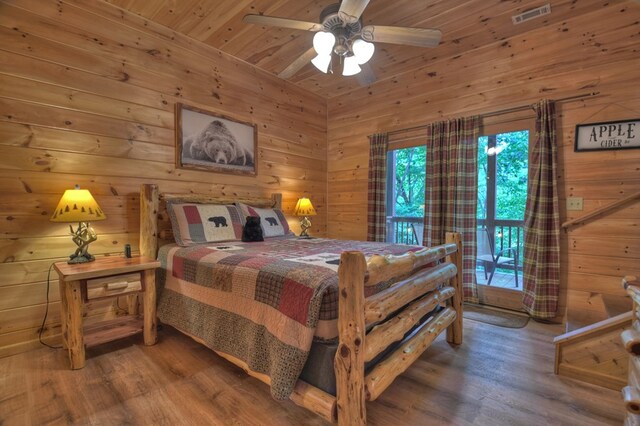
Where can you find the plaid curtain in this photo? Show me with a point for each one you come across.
(377, 212)
(541, 219)
(451, 190)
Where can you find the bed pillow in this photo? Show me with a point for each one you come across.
(272, 221)
(204, 223)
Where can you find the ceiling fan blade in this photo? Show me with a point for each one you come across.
(421, 37)
(297, 65)
(351, 10)
(282, 22)
(366, 77)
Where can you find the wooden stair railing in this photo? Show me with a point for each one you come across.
(594, 354)
(601, 210)
(631, 342)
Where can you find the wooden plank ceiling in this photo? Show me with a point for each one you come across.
(465, 24)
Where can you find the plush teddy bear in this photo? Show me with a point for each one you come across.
(252, 231)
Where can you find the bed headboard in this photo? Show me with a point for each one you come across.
(154, 220)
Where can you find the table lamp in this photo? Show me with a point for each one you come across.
(78, 205)
(304, 208)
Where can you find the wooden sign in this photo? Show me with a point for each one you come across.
(609, 135)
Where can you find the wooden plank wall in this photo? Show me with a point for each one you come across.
(597, 51)
(87, 95)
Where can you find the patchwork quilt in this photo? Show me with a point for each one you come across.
(261, 302)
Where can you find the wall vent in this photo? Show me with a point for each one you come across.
(531, 14)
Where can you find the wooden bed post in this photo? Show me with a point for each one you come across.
(454, 331)
(349, 360)
(149, 203)
(277, 200)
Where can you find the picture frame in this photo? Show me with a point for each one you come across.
(206, 140)
(608, 135)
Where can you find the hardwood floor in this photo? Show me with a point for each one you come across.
(498, 376)
(500, 279)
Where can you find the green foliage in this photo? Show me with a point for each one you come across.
(409, 181)
(511, 175)
(481, 212)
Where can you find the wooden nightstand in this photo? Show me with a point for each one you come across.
(106, 277)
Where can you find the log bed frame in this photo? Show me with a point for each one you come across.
(419, 291)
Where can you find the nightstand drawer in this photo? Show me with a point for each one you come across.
(113, 286)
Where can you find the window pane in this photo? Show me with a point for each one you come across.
(482, 177)
(409, 191)
(511, 174)
(405, 195)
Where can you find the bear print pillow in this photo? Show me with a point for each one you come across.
(204, 223)
(272, 221)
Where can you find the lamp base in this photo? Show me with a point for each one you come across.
(83, 258)
(305, 224)
(82, 237)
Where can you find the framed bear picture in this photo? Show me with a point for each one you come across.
(209, 141)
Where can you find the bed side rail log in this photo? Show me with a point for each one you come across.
(382, 304)
(395, 364)
(393, 330)
(383, 268)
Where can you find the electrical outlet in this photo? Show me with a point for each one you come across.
(574, 203)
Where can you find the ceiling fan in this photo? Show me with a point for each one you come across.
(341, 35)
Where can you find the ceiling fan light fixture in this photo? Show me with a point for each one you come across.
(322, 62)
(362, 50)
(341, 34)
(323, 42)
(350, 66)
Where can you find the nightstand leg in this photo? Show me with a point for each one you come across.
(132, 304)
(75, 340)
(150, 320)
(63, 314)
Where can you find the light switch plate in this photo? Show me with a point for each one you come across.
(574, 203)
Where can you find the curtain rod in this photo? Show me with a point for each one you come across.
(500, 112)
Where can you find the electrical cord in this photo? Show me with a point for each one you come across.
(46, 313)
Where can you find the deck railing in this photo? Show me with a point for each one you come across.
(408, 230)
(405, 230)
(506, 234)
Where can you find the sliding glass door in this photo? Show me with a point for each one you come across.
(502, 195)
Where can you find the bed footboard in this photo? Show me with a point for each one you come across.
(419, 293)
